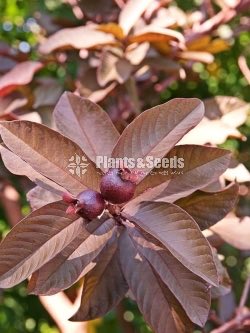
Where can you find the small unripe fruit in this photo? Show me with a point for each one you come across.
(88, 204)
(115, 188)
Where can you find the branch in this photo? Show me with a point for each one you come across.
(245, 293)
(242, 313)
(242, 62)
(133, 94)
(60, 309)
(10, 201)
(233, 324)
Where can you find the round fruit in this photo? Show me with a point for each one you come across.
(90, 204)
(116, 189)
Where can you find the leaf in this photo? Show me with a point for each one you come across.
(222, 117)
(217, 45)
(93, 130)
(158, 306)
(191, 292)
(135, 53)
(47, 94)
(19, 167)
(100, 94)
(209, 208)
(202, 166)
(205, 43)
(88, 87)
(157, 130)
(152, 34)
(202, 133)
(113, 68)
(35, 240)
(205, 57)
(234, 230)
(162, 64)
(103, 287)
(238, 173)
(77, 38)
(30, 116)
(93, 8)
(11, 103)
(130, 14)
(179, 233)
(19, 75)
(74, 261)
(39, 197)
(199, 43)
(32, 143)
(112, 28)
(218, 106)
(225, 282)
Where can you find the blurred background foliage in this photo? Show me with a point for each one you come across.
(19, 28)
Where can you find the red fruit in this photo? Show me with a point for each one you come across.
(115, 188)
(88, 204)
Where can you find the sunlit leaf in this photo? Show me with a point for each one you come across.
(45, 232)
(19, 75)
(51, 160)
(179, 233)
(77, 38)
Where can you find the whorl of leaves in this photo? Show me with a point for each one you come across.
(154, 247)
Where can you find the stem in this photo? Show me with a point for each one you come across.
(245, 293)
(242, 62)
(133, 93)
(233, 324)
(241, 314)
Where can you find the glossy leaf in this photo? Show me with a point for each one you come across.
(87, 119)
(189, 289)
(19, 167)
(45, 232)
(157, 130)
(103, 287)
(74, 261)
(151, 295)
(209, 208)
(51, 160)
(179, 233)
(201, 166)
